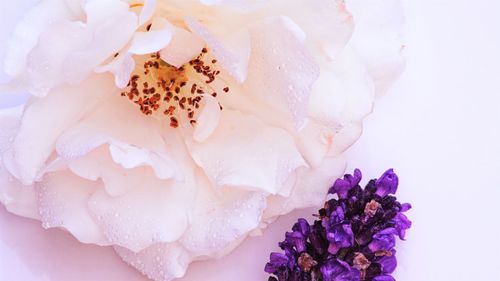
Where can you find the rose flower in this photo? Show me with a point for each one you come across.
(171, 130)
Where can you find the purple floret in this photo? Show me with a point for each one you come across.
(353, 239)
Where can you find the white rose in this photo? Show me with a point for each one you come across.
(164, 175)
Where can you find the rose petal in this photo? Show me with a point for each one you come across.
(208, 120)
(264, 159)
(112, 28)
(98, 164)
(128, 146)
(309, 189)
(147, 11)
(329, 37)
(17, 198)
(162, 218)
(45, 67)
(209, 232)
(131, 157)
(220, 217)
(281, 71)
(342, 96)
(122, 67)
(153, 40)
(183, 47)
(161, 262)
(25, 35)
(60, 206)
(378, 39)
(231, 50)
(100, 127)
(33, 143)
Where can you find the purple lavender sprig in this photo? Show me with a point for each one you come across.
(353, 239)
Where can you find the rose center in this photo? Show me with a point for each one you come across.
(161, 89)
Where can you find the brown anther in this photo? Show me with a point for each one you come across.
(204, 50)
(361, 263)
(173, 122)
(192, 122)
(382, 253)
(177, 90)
(214, 95)
(116, 54)
(214, 61)
(156, 97)
(306, 262)
(183, 83)
(371, 208)
(226, 89)
(148, 27)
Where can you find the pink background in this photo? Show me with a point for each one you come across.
(439, 127)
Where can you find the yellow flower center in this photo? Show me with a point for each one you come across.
(158, 87)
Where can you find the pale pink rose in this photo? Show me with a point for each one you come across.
(169, 178)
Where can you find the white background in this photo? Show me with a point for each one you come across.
(439, 127)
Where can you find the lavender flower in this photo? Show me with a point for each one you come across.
(353, 239)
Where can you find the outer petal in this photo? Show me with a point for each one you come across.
(327, 23)
(62, 202)
(221, 218)
(309, 190)
(281, 71)
(160, 262)
(378, 39)
(33, 143)
(162, 217)
(220, 221)
(341, 98)
(244, 152)
(17, 198)
(26, 33)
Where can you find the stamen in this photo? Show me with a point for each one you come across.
(160, 87)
